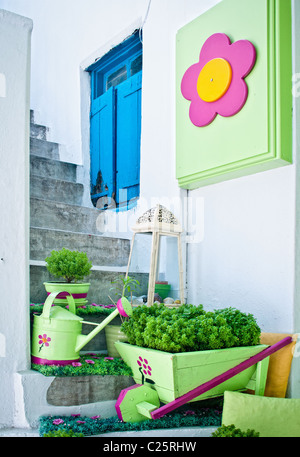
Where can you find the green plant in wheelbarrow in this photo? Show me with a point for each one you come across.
(178, 349)
(71, 266)
(188, 354)
(123, 286)
(190, 328)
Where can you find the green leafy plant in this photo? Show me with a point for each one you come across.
(226, 431)
(70, 265)
(244, 326)
(62, 434)
(125, 285)
(189, 328)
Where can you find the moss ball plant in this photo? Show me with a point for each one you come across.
(190, 328)
(70, 265)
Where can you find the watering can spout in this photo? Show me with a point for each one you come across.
(123, 308)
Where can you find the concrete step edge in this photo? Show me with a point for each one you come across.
(54, 180)
(109, 268)
(56, 190)
(47, 167)
(44, 148)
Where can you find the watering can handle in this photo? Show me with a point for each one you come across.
(50, 299)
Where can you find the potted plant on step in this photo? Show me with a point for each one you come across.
(72, 266)
(123, 286)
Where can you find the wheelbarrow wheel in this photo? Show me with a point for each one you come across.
(136, 403)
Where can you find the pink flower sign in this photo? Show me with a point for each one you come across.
(215, 85)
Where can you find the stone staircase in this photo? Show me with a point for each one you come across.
(59, 219)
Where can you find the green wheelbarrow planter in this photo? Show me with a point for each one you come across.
(176, 379)
(56, 333)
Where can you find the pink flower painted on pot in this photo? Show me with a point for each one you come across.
(76, 364)
(215, 85)
(43, 341)
(90, 361)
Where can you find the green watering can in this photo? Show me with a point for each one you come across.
(56, 334)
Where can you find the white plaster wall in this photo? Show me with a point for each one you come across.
(158, 181)
(246, 258)
(15, 33)
(65, 33)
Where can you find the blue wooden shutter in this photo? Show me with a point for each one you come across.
(102, 145)
(128, 135)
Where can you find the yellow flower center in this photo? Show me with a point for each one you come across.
(214, 80)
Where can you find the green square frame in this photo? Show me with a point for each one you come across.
(259, 137)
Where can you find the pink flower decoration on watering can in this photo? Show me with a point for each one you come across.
(43, 341)
(215, 85)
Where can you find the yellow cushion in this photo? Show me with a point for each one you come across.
(279, 364)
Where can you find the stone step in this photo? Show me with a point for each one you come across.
(56, 190)
(43, 148)
(38, 131)
(100, 280)
(100, 250)
(81, 390)
(49, 168)
(34, 390)
(63, 216)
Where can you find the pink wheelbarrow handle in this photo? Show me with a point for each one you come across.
(156, 414)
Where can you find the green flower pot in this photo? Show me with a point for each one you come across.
(78, 291)
(162, 289)
(114, 334)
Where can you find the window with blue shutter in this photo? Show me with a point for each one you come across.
(115, 126)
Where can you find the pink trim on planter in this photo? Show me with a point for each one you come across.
(40, 361)
(65, 294)
(121, 397)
